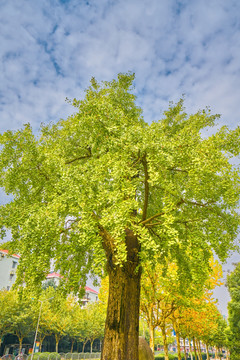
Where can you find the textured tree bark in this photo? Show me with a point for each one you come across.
(122, 323)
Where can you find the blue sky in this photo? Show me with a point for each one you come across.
(49, 50)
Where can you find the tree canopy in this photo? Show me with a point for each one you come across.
(106, 169)
(105, 189)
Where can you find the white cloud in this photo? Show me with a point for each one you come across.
(52, 50)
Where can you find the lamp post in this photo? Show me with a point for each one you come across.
(35, 338)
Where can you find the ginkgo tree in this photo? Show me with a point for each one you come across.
(7, 304)
(233, 333)
(159, 297)
(20, 317)
(164, 298)
(104, 189)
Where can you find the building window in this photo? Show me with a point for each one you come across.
(11, 277)
(8, 288)
(14, 264)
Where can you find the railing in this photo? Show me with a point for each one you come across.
(53, 356)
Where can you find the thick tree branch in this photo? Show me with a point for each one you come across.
(139, 158)
(108, 241)
(154, 224)
(181, 201)
(151, 218)
(88, 155)
(148, 223)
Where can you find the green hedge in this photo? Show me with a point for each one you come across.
(174, 357)
(46, 356)
(170, 356)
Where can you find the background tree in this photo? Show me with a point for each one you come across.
(95, 317)
(46, 316)
(74, 320)
(233, 284)
(49, 283)
(60, 309)
(158, 299)
(106, 189)
(21, 318)
(164, 297)
(6, 306)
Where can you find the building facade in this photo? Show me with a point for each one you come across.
(8, 267)
(54, 278)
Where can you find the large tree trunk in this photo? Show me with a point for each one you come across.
(122, 322)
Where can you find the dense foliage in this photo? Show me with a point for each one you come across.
(191, 312)
(106, 169)
(233, 284)
(105, 190)
(61, 317)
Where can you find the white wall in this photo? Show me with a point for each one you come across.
(8, 266)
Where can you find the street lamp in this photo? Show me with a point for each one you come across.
(34, 343)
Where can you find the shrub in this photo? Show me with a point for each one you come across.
(54, 356)
(41, 356)
(46, 356)
(170, 356)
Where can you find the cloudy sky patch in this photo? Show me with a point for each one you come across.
(50, 50)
